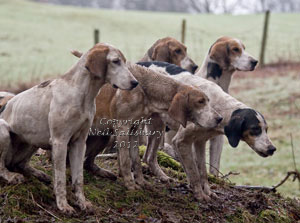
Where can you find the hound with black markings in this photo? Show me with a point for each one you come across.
(225, 56)
(57, 115)
(239, 123)
(172, 51)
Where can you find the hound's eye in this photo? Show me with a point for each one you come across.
(255, 131)
(116, 61)
(201, 101)
(236, 49)
(267, 130)
(178, 51)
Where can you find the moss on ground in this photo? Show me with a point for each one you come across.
(34, 201)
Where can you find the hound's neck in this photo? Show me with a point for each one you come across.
(146, 58)
(159, 89)
(221, 77)
(83, 80)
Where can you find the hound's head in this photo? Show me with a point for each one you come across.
(172, 51)
(193, 105)
(229, 54)
(108, 63)
(251, 127)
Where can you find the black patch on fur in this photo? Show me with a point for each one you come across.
(172, 69)
(242, 120)
(167, 128)
(44, 84)
(213, 70)
(2, 108)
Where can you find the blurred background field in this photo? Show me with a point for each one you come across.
(35, 41)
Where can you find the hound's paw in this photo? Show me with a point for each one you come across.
(165, 179)
(15, 178)
(86, 206)
(66, 209)
(105, 174)
(202, 197)
(143, 183)
(45, 178)
(132, 186)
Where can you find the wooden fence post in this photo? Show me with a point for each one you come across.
(264, 39)
(183, 28)
(96, 36)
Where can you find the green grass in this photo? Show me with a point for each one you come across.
(35, 39)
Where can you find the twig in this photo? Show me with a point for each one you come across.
(216, 169)
(44, 208)
(294, 159)
(230, 173)
(266, 189)
(273, 189)
(296, 176)
(108, 155)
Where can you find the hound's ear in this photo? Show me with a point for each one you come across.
(161, 53)
(178, 109)
(233, 130)
(219, 52)
(76, 53)
(213, 70)
(97, 61)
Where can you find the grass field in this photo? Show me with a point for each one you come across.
(35, 40)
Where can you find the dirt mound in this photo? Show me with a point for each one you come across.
(34, 201)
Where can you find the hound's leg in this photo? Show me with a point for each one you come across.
(96, 144)
(25, 168)
(5, 148)
(150, 156)
(124, 162)
(76, 156)
(199, 148)
(183, 144)
(136, 161)
(168, 148)
(215, 150)
(59, 155)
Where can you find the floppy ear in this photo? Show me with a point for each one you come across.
(76, 53)
(233, 130)
(219, 52)
(161, 53)
(97, 62)
(213, 70)
(178, 109)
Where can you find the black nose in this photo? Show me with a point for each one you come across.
(253, 63)
(194, 68)
(134, 84)
(219, 120)
(271, 150)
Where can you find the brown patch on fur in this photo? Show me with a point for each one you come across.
(96, 60)
(197, 99)
(168, 50)
(247, 137)
(179, 108)
(44, 84)
(4, 100)
(224, 50)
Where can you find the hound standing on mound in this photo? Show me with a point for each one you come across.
(57, 115)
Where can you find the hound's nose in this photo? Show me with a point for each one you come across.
(253, 63)
(219, 120)
(194, 68)
(271, 150)
(134, 84)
